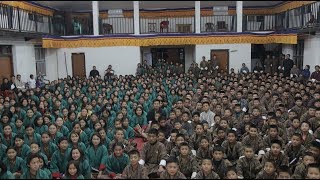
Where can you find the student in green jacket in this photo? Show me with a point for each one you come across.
(29, 118)
(83, 135)
(35, 149)
(33, 171)
(60, 158)
(73, 171)
(5, 119)
(54, 134)
(22, 149)
(96, 151)
(61, 128)
(115, 163)
(16, 165)
(7, 137)
(31, 136)
(4, 173)
(46, 146)
(44, 167)
(74, 141)
(72, 119)
(18, 126)
(39, 125)
(78, 155)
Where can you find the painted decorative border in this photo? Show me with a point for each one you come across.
(28, 6)
(168, 39)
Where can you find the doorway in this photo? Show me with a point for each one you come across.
(223, 59)
(6, 67)
(78, 64)
(174, 55)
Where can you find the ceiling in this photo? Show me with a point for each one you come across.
(128, 5)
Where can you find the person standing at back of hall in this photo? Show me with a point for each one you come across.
(94, 72)
(287, 65)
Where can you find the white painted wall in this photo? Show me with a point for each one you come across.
(189, 56)
(23, 56)
(238, 53)
(287, 49)
(124, 60)
(311, 53)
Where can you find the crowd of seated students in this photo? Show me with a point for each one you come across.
(164, 123)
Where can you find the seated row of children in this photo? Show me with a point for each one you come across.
(141, 127)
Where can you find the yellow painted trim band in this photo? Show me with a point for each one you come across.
(183, 40)
(28, 7)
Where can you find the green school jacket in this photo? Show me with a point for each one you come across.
(79, 177)
(81, 146)
(41, 129)
(41, 174)
(52, 148)
(85, 168)
(64, 130)
(59, 161)
(141, 120)
(20, 130)
(7, 175)
(28, 120)
(19, 165)
(24, 151)
(1, 126)
(3, 149)
(95, 156)
(116, 164)
(55, 140)
(36, 138)
(130, 132)
(4, 142)
(69, 124)
(110, 134)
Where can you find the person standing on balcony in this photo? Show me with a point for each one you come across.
(287, 65)
(94, 72)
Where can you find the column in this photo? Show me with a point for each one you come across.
(136, 17)
(95, 17)
(197, 17)
(239, 16)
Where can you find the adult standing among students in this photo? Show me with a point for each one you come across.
(94, 72)
(287, 65)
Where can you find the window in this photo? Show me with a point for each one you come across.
(40, 59)
(31, 16)
(35, 17)
(260, 18)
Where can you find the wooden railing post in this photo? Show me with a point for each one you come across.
(19, 23)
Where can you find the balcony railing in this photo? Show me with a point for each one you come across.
(117, 25)
(259, 23)
(16, 19)
(20, 20)
(218, 23)
(167, 25)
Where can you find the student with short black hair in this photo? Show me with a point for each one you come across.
(172, 170)
(134, 170)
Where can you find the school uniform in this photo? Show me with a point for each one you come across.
(59, 161)
(113, 165)
(19, 165)
(74, 177)
(307, 140)
(188, 165)
(127, 145)
(23, 151)
(267, 141)
(204, 153)
(232, 151)
(140, 172)
(56, 137)
(64, 130)
(69, 124)
(28, 120)
(211, 175)
(220, 167)
(79, 145)
(41, 129)
(36, 138)
(263, 175)
(6, 175)
(248, 168)
(280, 160)
(85, 168)
(95, 156)
(166, 175)
(41, 174)
(2, 124)
(130, 132)
(195, 140)
(300, 171)
(18, 130)
(314, 123)
(255, 142)
(48, 149)
(294, 153)
(152, 154)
